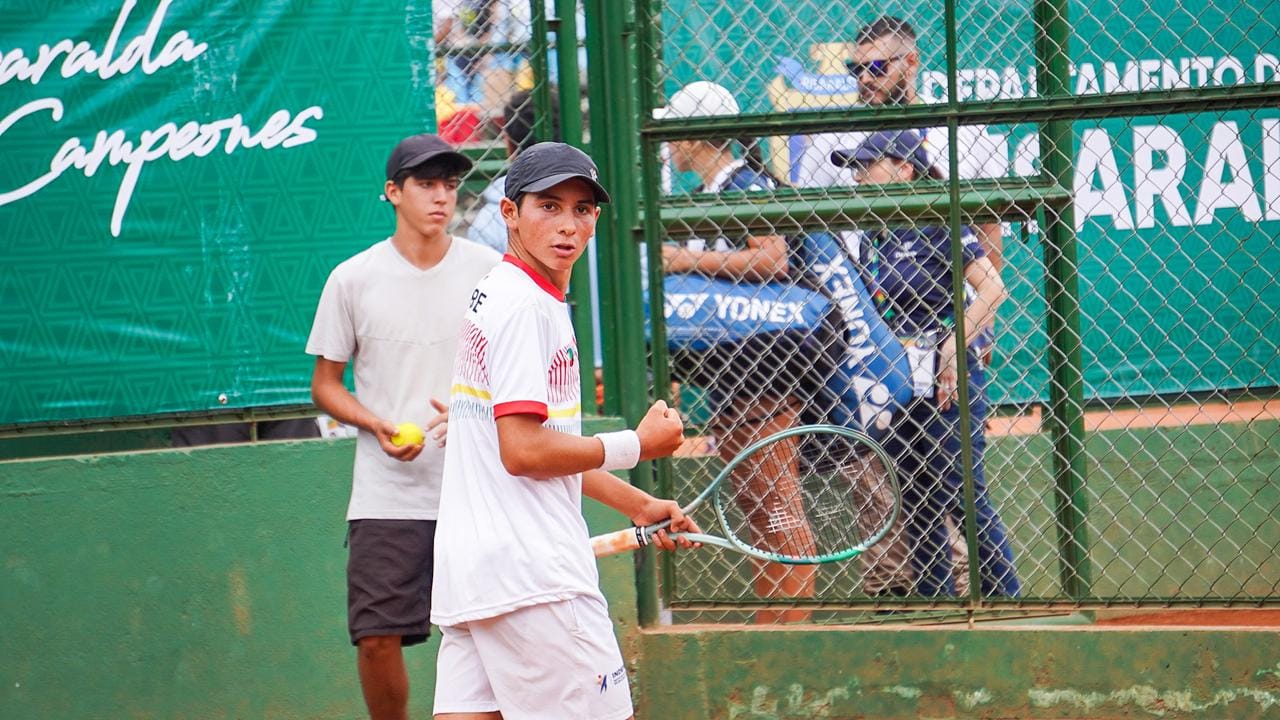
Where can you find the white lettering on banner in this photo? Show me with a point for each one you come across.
(1196, 70)
(1160, 161)
(1230, 154)
(1093, 78)
(1026, 156)
(282, 128)
(1011, 84)
(199, 139)
(1225, 65)
(1226, 152)
(81, 58)
(1097, 158)
(54, 106)
(1164, 182)
(1086, 80)
(1271, 168)
(1266, 68)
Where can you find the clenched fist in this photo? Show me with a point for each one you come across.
(661, 431)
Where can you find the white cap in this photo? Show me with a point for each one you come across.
(698, 99)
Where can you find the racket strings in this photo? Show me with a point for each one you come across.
(768, 495)
(823, 496)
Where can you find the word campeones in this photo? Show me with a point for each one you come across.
(116, 147)
(170, 140)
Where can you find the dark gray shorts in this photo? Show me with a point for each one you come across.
(389, 570)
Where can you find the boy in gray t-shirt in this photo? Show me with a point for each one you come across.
(393, 311)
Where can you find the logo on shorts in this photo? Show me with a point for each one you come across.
(615, 677)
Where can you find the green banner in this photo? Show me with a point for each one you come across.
(1178, 216)
(176, 181)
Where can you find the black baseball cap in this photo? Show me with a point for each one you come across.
(905, 145)
(426, 147)
(548, 164)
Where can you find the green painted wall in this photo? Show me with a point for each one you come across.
(200, 584)
(790, 674)
(209, 583)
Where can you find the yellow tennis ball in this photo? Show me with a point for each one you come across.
(408, 434)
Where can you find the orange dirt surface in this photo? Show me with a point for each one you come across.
(1175, 416)
(1242, 617)
(1029, 423)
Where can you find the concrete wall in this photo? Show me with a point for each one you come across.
(209, 583)
(1008, 673)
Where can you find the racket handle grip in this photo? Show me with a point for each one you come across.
(619, 542)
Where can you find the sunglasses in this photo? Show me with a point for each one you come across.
(876, 68)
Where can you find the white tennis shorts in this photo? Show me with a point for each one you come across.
(551, 661)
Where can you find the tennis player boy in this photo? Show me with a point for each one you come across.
(392, 312)
(525, 630)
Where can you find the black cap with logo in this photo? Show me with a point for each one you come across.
(418, 149)
(905, 145)
(548, 164)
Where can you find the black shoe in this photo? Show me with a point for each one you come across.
(892, 592)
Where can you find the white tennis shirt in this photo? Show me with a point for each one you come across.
(398, 327)
(505, 542)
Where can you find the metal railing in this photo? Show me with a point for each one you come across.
(1057, 381)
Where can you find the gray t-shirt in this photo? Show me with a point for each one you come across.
(398, 326)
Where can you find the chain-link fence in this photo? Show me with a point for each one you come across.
(1073, 361)
(511, 73)
(490, 69)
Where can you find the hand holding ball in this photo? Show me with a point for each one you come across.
(408, 434)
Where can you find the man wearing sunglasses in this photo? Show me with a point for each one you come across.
(886, 65)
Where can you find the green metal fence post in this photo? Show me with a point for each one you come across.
(539, 48)
(566, 33)
(611, 94)
(570, 105)
(958, 304)
(651, 191)
(647, 85)
(607, 246)
(1066, 390)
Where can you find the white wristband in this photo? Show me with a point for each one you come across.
(621, 449)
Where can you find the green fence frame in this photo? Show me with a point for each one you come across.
(624, 87)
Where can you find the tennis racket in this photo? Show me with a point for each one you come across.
(803, 496)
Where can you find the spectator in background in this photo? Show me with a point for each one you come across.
(518, 120)
(886, 65)
(911, 281)
(748, 386)
(758, 258)
(462, 27)
(394, 311)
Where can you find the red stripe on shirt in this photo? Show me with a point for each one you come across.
(537, 277)
(521, 407)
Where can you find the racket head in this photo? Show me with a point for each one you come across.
(807, 495)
